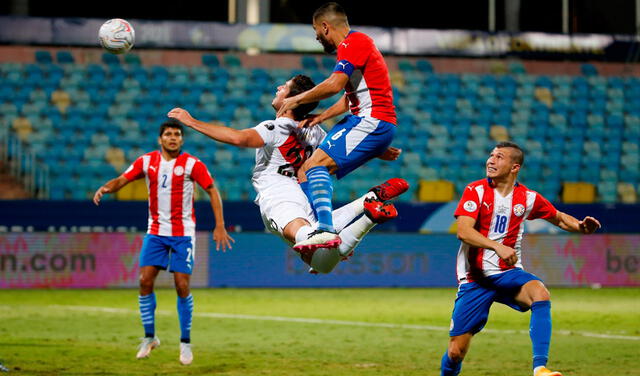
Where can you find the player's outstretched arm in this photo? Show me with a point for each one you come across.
(220, 236)
(338, 108)
(112, 186)
(567, 222)
(248, 138)
(468, 234)
(327, 88)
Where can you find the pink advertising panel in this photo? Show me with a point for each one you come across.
(83, 260)
(578, 260)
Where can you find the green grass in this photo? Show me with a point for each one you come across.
(61, 332)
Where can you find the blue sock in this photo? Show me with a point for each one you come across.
(147, 304)
(448, 367)
(540, 332)
(185, 312)
(321, 189)
(305, 188)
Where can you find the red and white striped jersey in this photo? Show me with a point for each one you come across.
(170, 186)
(497, 218)
(369, 87)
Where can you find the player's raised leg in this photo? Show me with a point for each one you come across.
(321, 192)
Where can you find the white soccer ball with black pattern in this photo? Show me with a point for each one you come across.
(117, 36)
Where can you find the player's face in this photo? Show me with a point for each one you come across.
(281, 94)
(321, 28)
(171, 140)
(500, 163)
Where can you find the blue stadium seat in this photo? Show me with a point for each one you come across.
(110, 59)
(43, 57)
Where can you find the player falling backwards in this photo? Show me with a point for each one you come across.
(281, 148)
(365, 134)
(170, 240)
(490, 219)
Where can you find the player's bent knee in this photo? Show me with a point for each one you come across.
(456, 353)
(146, 284)
(458, 347)
(538, 291)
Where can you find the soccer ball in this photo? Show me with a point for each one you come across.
(117, 36)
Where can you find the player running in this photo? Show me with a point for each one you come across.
(170, 240)
(365, 134)
(282, 147)
(490, 219)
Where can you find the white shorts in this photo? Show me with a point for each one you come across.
(281, 205)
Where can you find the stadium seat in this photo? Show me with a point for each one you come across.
(309, 62)
(132, 59)
(589, 70)
(231, 61)
(435, 191)
(627, 193)
(64, 57)
(110, 59)
(43, 57)
(578, 193)
(424, 66)
(210, 61)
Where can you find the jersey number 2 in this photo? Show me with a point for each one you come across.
(164, 181)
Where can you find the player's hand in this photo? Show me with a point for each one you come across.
(222, 239)
(310, 121)
(181, 115)
(391, 154)
(589, 225)
(287, 104)
(507, 254)
(99, 193)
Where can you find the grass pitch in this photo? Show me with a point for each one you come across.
(309, 332)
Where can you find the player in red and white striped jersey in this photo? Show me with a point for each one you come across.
(490, 219)
(364, 134)
(170, 241)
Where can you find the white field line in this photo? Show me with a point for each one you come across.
(304, 320)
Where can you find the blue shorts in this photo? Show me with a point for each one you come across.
(173, 252)
(355, 140)
(471, 309)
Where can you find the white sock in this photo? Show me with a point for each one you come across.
(345, 214)
(303, 233)
(353, 234)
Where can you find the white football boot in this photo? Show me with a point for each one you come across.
(186, 356)
(146, 346)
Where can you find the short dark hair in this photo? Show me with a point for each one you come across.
(172, 123)
(300, 84)
(331, 8)
(518, 156)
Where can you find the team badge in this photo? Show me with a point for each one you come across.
(178, 171)
(470, 206)
(518, 210)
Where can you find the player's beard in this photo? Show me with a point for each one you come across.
(328, 47)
